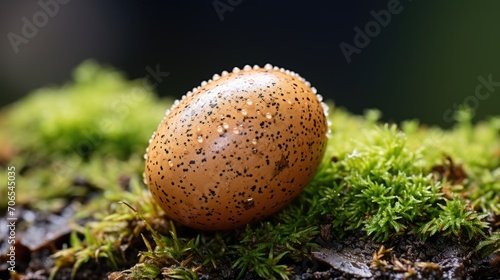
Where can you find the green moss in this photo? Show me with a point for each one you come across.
(377, 184)
(382, 178)
(99, 112)
(82, 131)
(455, 218)
(376, 181)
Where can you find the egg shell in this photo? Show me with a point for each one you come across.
(236, 149)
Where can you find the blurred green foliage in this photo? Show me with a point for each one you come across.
(66, 138)
(100, 111)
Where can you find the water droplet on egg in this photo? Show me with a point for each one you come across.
(220, 130)
(325, 108)
(244, 112)
(254, 141)
(249, 101)
(225, 125)
(329, 131)
(170, 163)
(269, 116)
(249, 203)
(236, 130)
(200, 139)
(254, 150)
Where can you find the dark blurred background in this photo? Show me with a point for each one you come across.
(430, 57)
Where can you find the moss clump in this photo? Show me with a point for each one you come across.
(380, 184)
(67, 138)
(384, 183)
(99, 112)
(376, 181)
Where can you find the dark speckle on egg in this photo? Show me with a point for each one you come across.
(280, 165)
(237, 149)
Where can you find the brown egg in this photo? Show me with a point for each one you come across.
(237, 149)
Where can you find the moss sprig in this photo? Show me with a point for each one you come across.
(490, 245)
(455, 218)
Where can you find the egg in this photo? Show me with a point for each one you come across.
(236, 149)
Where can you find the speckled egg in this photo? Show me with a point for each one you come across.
(237, 149)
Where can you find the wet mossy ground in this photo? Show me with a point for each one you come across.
(389, 201)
